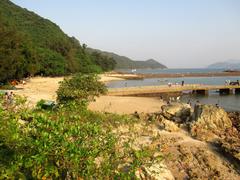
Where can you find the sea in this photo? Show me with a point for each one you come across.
(228, 102)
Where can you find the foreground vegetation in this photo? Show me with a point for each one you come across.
(67, 141)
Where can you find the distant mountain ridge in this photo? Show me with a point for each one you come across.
(229, 64)
(124, 62)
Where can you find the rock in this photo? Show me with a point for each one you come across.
(178, 111)
(170, 126)
(140, 142)
(209, 122)
(157, 171)
(22, 122)
(235, 118)
(231, 145)
(164, 124)
(98, 161)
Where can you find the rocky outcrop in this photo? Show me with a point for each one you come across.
(231, 145)
(157, 171)
(178, 112)
(175, 154)
(164, 124)
(235, 118)
(210, 122)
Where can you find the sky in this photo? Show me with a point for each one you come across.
(177, 33)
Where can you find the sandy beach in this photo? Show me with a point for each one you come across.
(38, 88)
(126, 105)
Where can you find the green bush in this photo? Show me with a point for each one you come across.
(52, 145)
(67, 143)
(81, 89)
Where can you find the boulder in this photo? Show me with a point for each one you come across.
(168, 125)
(231, 145)
(158, 171)
(176, 111)
(209, 122)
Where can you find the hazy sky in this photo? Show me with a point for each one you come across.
(178, 33)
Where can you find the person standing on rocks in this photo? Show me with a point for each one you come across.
(197, 109)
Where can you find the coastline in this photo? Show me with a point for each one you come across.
(129, 76)
(38, 88)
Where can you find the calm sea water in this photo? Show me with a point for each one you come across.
(169, 71)
(229, 102)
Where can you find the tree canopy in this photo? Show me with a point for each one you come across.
(32, 45)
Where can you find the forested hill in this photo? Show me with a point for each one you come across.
(32, 45)
(127, 63)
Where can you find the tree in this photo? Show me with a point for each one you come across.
(80, 89)
(11, 58)
(105, 62)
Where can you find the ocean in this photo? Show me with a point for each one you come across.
(228, 102)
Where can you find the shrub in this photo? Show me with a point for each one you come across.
(37, 145)
(64, 144)
(80, 88)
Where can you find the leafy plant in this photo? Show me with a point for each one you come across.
(81, 88)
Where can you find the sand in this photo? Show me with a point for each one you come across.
(126, 105)
(107, 78)
(38, 88)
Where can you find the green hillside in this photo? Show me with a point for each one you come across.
(123, 62)
(32, 45)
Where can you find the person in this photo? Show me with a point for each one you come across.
(136, 115)
(238, 82)
(226, 82)
(23, 82)
(182, 83)
(10, 98)
(178, 98)
(197, 109)
(6, 98)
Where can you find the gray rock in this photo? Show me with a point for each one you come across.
(158, 171)
(209, 122)
(176, 111)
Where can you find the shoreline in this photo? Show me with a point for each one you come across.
(130, 76)
(38, 88)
